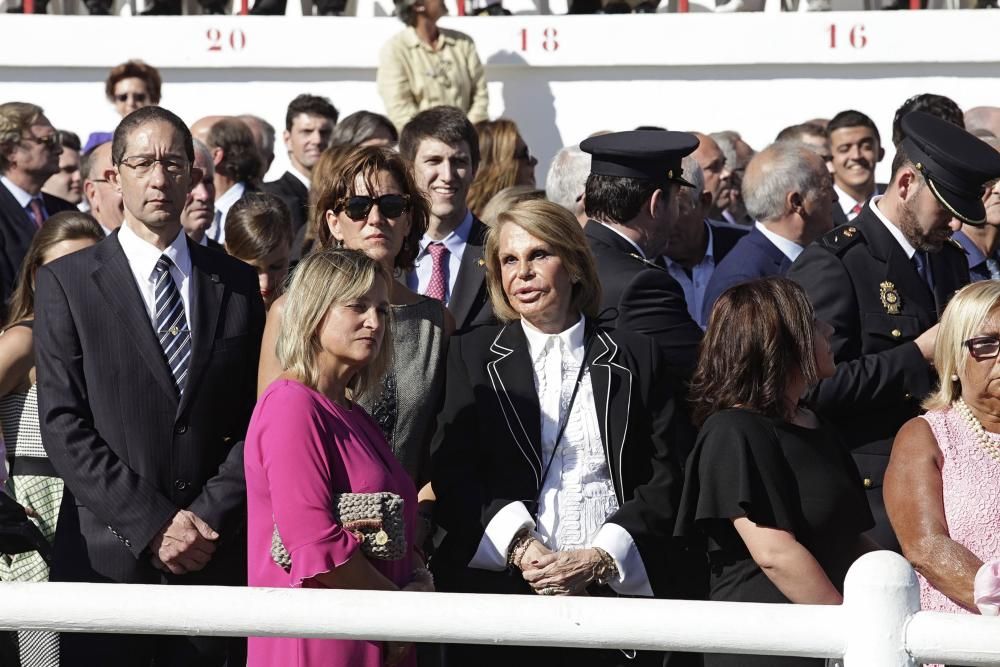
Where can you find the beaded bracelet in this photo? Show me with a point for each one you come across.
(607, 570)
(517, 550)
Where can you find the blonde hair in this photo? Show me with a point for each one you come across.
(559, 229)
(497, 166)
(325, 278)
(961, 321)
(505, 199)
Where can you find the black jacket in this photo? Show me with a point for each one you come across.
(861, 282)
(646, 298)
(130, 453)
(17, 229)
(487, 451)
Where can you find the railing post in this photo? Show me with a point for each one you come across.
(880, 595)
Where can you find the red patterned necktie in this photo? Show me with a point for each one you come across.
(437, 288)
(36, 211)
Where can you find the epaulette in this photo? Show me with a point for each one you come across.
(839, 239)
(953, 242)
(652, 265)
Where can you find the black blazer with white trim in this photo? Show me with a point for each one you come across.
(487, 450)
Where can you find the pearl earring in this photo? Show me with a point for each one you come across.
(954, 378)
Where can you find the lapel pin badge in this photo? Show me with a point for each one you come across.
(482, 262)
(890, 298)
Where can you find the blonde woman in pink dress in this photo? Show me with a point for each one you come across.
(942, 486)
(308, 440)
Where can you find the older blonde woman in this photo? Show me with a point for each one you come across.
(554, 463)
(942, 486)
(308, 441)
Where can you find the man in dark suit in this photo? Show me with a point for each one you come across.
(309, 123)
(29, 154)
(855, 149)
(237, 168)
(443, 149)
(883, 281)
(787, 189)
(141, 413)
(632, 200)
(104, 200)
(199, 208)
(696, 245)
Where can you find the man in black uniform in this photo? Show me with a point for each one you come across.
(631, 200)
(883, 281)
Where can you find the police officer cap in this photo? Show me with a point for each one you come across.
(956, 165)
(649, 155)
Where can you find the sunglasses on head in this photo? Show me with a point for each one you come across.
(359, 206)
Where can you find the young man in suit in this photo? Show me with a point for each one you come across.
(443, 148)
(855, 149)
(788, 191)
(696, 245)
(29, 155)
(883, 281)
(237, 168)
(632, 200)
(147, 347)
(309, 124)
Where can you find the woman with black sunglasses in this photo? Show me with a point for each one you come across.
(942, 486)
(371, 203)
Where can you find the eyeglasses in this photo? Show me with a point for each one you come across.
(359, 206)
(143, 165)
(49, 142)
(136, 97)
(983, 347)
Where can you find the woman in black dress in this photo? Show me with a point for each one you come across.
(769, 491)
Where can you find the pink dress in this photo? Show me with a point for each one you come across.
(302, 448)
(971, 490)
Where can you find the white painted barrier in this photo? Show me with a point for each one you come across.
(879, 624)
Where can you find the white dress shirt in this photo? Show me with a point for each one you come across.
(695, 284)
(142, 257)
(896, 232)
(217, 231)
(420, 277)
(577, 494)
(789, 249)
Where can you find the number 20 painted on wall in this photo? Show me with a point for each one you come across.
(237, 39)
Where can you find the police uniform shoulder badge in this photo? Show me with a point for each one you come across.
(890, 298)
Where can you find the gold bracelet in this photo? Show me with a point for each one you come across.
(607, 570)
(518, 548)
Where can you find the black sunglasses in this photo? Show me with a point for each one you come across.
(138, 97)
(983, 347)
(359, 206)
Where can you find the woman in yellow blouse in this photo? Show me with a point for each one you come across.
(425, 66)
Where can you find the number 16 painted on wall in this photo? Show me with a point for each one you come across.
(856, 37)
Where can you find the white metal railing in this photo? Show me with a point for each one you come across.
(878, 625)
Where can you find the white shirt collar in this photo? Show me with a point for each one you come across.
(22, 197)
(896, 232)
(847, 202)
(571, 339)
(143, 255)
(455, 241)
(789, 249)
(631, 242)
(299, 175)
(225, 201)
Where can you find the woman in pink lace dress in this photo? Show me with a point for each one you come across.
(309, 440)
(942, 487)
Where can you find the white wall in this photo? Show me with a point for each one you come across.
(755, 73)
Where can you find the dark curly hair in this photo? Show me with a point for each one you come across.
(943, 107)
(134, 69)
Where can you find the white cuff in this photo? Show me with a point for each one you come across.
(632, 578)
(505, 524)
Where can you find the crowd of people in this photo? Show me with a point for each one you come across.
(683, 369)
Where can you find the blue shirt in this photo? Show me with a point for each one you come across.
(977, 260)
